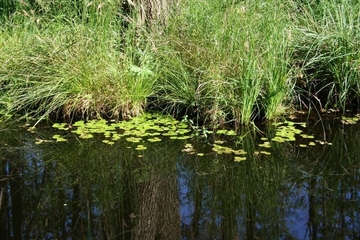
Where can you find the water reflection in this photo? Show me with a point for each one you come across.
(90, 190)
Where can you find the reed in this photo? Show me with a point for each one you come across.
(232, 56)
(216, 61)
(327, 50)
(57, 64)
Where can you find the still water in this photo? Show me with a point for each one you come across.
(181, 188)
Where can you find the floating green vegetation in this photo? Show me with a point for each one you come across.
(226, 132)
(312, 144)
(306, 136)
(265, 145)
(188, 148)
(180, 137)
(108, 142)
(239, 159)
(58, 138)
(287, 131)
(60, 126)
(262, 152)
(155, 139)
(133, 139)
(140, 147)
(135, 130)
(350, 120)
(239, 152)
(152, 128)
(227, 150)
(221, 149)
(265, 152)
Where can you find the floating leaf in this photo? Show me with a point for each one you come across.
(222, 131)
(239, 159)
(60, 126)
(133, 139)
(79, 124)
(239, 152)
(231, 133)
(265, 152)
(170, 134)
(61, 140)
(86, 136)
(290, 139)
(188, 148)
(265, 145)
(278, 139)
(155, 139)
(306, 136)
(56, 136)
(140, 147)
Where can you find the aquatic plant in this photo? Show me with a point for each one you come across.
(150, 127)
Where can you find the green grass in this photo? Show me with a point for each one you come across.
(216, 61)
(229, 59)
(54, 65)
(327, 50)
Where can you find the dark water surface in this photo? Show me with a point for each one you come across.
(86, 189)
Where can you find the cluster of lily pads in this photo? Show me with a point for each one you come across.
(218, 149)
(350, 120)
(153, 127)
(286, 131)
(149, 126)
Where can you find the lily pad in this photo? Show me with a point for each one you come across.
(155, 139)
(265, 145)
(239, 159)
(133, 139)
(140, 147)
(265, 152)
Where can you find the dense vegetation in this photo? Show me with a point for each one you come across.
(219, 61)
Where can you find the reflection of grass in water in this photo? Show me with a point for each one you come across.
(258, 188)
(105, 178)
(231, 190)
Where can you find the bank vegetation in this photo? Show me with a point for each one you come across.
(216, 62)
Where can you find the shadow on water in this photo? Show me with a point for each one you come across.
(85, 189)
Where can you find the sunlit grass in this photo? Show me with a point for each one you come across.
(327, 49)
(215, 62)
(229, 60)
(49, 66)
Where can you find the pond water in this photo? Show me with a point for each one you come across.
(253, 185)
